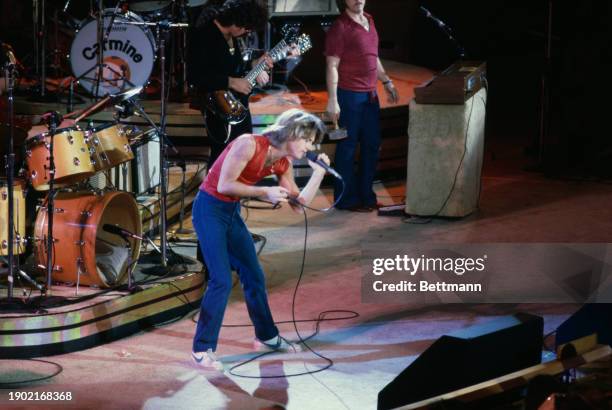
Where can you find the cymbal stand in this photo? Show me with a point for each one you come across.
(12, 239)
(39, 32)
(9, 70)
(163, 189)
(161, 31)
(43, 34)
(53, 121)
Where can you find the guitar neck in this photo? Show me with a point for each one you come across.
(277, 54)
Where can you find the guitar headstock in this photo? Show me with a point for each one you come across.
(290, 32)
(292, 44)
(303, 43)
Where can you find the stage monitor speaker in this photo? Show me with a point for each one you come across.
(590, 319)
(468, 357)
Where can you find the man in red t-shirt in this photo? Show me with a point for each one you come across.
(353, 67)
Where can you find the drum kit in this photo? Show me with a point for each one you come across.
(81, 234)
(71, 239)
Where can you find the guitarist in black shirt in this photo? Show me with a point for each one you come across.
(215, 63)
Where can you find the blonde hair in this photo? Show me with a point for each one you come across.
(294, 124)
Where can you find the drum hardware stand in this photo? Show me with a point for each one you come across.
(79, 263)
(53, 120)
(161, 32)
(43, 34)
(124, 174)
(130, 265)
(162, 29)
(9, 73)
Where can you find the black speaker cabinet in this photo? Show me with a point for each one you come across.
(468, 357)
(592, 318)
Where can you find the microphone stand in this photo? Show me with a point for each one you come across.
(161, 34)
(447, 30)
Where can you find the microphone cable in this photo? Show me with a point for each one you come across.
(321, 317)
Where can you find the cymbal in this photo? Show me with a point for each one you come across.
(126, 94)
(196, 3)
(105, 102)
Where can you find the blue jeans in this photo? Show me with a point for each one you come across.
(227, 244)
(360, 114)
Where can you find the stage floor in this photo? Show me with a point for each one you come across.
(152, 370)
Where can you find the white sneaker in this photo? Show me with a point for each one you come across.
(207, 360)
(276, 344)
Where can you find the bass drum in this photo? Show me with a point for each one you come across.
(82, 250)
(129, 54)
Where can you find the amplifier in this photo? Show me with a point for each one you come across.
(455, 85)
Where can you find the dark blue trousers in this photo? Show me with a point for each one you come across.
(360, 114)
(227, 244)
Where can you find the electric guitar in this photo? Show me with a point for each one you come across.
(226, 106)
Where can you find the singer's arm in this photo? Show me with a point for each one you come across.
(237, 158)
(307, 194)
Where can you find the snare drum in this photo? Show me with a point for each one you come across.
(82, 250)
(109, 146)
(19, 219)
(71, 158)
(128, 57)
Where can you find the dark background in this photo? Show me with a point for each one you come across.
(509, 35)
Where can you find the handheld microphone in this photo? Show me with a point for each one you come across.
(314, 157)
(117, 230)
(126, 109)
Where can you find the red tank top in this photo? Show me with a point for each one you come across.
(253, 172)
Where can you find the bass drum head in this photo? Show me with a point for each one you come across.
(83, 251)
(129, 54)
